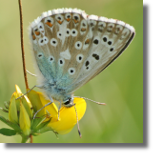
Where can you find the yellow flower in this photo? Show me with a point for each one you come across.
(14, 107)
(23, 119)
(34, 102)
(67, 118)
(20, 111)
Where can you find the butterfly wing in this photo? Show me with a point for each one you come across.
(53, 36)
(71, 47)
(107, 39)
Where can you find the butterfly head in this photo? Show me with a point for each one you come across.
(68, 102)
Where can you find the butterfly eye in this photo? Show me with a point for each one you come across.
(68, 102)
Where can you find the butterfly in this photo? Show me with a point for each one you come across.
(70, 48)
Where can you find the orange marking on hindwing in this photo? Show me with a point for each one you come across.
(60, 22)
(87, 41)
(33, 37)
(49, 24)
(68, 19)
(37, 33)
(83, 29)
(76, 21)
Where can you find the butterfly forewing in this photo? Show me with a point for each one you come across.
(71, 47)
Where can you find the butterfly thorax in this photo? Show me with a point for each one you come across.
(53, 91)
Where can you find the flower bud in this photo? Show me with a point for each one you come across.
(24, 120)
(13, 109)
(27, 104)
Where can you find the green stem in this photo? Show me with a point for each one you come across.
(24, 139)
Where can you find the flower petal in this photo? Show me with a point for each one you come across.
(36, 103)
(68, 117)
(18, 91)
(52, 109)
(27, 104)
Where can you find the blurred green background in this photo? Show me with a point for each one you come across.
(120, 86)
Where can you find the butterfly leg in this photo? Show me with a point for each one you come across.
(29, 91)
(59, 109)
(43, 107)
(77, 122)
(26, 92)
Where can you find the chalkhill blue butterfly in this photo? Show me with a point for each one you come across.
(70, 48)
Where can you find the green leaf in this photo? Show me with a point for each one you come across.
(37, 121)
(12, 125)
(7, 132)
(42, 125)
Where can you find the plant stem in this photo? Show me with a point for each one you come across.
(24, 139)
(31, 139)
(22, 46)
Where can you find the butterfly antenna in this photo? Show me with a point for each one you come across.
(99, 103)
(31, 73)
(77, 122)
